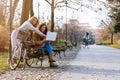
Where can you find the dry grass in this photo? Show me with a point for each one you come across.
(116, 46)
(3, 62)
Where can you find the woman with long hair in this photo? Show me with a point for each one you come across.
(44, 44)
(16, 35)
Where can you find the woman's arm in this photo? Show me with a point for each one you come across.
(31, 27)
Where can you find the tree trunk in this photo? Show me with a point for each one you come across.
(10, 24)
(25, 11)
(111, 38)
(31, 8)
(13, 10)
(52, 16)
(3, 10)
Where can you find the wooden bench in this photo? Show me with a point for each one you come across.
(34, 53)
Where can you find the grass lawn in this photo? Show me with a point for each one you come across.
(3, 62)
(116, 46)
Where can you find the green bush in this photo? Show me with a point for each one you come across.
(64, 43)
(106, 43)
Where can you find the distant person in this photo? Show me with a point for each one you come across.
(86, 38)
(44, 44)
(16, 35)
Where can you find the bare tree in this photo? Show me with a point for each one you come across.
(3, 9)
(13, 10)
(27, 9)
(54, 4)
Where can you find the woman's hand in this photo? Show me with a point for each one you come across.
(43, 36)
(46, 41)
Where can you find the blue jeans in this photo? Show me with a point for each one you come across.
(47, 48)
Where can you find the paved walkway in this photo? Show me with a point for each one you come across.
(46, 73)
(94, 63)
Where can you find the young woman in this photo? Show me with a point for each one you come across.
(45, 45)
(16, 39)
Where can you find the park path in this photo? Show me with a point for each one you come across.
(46, 73)
(94, 63)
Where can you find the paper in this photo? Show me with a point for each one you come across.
(51, 36)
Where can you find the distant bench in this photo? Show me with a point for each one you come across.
(58, 50)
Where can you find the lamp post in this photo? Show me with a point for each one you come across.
(66, 18)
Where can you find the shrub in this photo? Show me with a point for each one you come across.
(4, 37)
(106, 43)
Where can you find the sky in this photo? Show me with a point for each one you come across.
(83, 15)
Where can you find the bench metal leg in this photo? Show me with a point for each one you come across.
(24, 63)
(64, 54)
(37, 62)
(41, 62)
(55, 53)
(60, 56)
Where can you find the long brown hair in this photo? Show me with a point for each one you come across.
(43, 24)
(36, 36)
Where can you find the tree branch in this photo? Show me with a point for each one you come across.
(60, 6)
(59, 2)
(72, 8)
(48, 2)
(75, 2)
(66, 6)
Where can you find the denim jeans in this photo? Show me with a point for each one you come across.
(47, 48)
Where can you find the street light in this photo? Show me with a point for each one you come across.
(66, 18)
